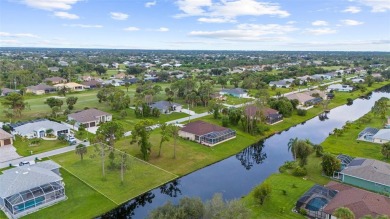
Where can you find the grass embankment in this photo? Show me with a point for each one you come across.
(192, 156)
(348, 144)
(24, 146)
(139, 176)
(280, 205)
(82, 202)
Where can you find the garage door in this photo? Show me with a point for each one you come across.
(7, 141)
(92, 124)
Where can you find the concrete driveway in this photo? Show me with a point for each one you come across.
(92, 129)
(7, 153)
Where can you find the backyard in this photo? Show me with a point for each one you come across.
(139, 176)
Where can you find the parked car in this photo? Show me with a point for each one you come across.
(72, 141)
(24, 163)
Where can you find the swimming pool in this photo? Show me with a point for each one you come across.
(315, 204)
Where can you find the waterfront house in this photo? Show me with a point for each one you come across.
(28, 188)
(206, 133)
(271, 116)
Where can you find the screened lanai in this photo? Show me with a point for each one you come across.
(216, 137)
(30, 187)
(34, 197)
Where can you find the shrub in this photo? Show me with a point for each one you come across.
(301, 112)
(262, 193)
(225, 121)
(289, 164)
(284, 192)
(302, 211)
(299, 171)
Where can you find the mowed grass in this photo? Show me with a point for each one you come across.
(279, 205)
(82, 202)
(138, 178)
(348, 144)
(24, 148)
(231, 100)
(190, 156)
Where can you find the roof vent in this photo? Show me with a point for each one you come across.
(24, 173)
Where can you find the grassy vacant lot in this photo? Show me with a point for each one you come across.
(190, 156)
(24, 147)
(279, 205)
(347, 143)
(138, 178)
(82, 202)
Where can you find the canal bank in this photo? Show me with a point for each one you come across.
(238, 174)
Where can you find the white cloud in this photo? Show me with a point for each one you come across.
(228, 10)
(192, 7)
(131, 29)
(150, 4)
(50, 5)
(321, 31)
(66, 15)
(352, 9)
(249, 32)
(319, 23)
(163, 29)
(216, 20)
(351, 22)
(119, 16)
(83, 25)
(377, 5)
(291, 22)
(29, 35)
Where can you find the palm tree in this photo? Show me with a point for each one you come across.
(174, 131)
(343, 213)
(81, 150)
(386, 150)
(291, 146)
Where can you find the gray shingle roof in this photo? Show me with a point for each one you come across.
(371, 170)
(32, 126)
(163, 104)
(87, 115)
(23, 178)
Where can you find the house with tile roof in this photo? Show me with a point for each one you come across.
(40, 89)
(271, 116)
(90, 117)
(38, 128)
(359, 201)
(206, 133)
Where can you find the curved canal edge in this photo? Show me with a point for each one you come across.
(259, 161)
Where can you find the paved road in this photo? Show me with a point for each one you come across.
(41, 155)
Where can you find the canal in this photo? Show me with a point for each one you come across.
(235, 176)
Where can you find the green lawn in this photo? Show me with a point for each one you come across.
(347, 143)
(82, 202)
(235, 100)
(273, 208)
(2, 215)
(138, 178)
(279, 205)
(23, 147)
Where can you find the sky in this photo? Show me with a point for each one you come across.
(304, 25)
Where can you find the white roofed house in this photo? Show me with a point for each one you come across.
(166, 107)
(26, 189)
(280, 84)
(90, 117)
(340, 87)
(38, 128)
(71, 86)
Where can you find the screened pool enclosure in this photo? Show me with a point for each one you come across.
(213, 138)
(35, 197)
